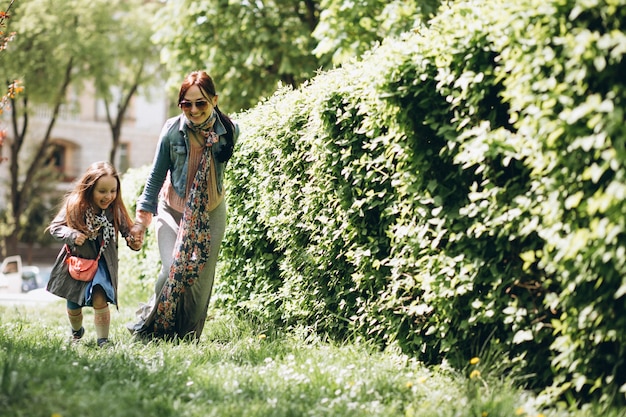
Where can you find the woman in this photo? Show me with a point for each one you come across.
(187, 173)
(88, 223)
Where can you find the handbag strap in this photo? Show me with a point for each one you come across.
(69, 252)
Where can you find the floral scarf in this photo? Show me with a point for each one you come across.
(205, 128)
(191, 251)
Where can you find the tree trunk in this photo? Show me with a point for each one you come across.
(20, 195)
(122, 107)
(10, 244)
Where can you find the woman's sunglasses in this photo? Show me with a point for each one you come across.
(200, 104)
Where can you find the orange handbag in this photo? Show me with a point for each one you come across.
(81, 269)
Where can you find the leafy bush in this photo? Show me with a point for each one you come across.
(137, 270)
(459, 187)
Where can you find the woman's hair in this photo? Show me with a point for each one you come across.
(80, 199)
(202, 80)
(206, 85)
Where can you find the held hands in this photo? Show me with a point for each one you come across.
(135, 238)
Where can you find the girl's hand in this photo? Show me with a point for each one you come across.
(137, 231)
(80, 239)
(135, 239)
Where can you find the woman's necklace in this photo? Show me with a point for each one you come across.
(200, 141)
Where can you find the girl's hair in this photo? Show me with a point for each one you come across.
(206, 85)
(80, 199)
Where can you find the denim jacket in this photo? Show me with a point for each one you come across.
(172, 155)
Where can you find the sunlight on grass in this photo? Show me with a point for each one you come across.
(236, 369)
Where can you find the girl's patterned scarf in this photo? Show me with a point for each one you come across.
(95, 222)
(191, 251)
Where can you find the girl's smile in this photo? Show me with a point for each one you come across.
(105, 191)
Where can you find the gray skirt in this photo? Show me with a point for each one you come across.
(192, 310)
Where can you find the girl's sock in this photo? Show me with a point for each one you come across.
(102, 321)
(76, 318)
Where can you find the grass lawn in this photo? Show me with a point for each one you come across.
(235, 370)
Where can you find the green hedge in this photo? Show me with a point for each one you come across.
(137, 270)
(457, 188)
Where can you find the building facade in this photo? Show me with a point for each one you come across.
(81, 135)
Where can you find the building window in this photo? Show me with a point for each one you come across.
(57, 158)
(60, 160)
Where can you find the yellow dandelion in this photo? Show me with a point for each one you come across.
(262, 336)
(484, 414)
(56, 415)
(474, 374)
(474, 361)
(409, 384)
(519, 411)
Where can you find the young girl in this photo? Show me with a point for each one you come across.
(92, 215)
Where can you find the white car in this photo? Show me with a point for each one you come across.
(15, 277)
